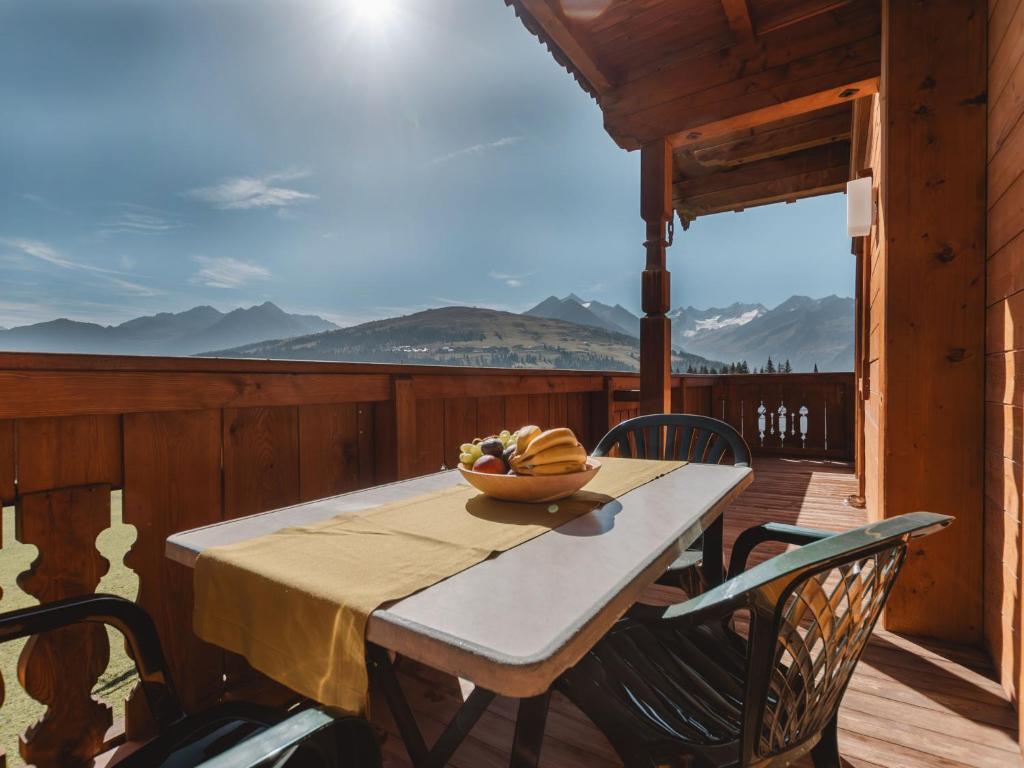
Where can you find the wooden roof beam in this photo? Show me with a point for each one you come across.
(798, 14)
(557, 31)
(842, 90)
(829, 59)
(775, 139)
(803, 174)
(738, 14)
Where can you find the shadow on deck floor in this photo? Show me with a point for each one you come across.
(911, 704)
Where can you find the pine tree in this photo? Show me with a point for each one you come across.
(815, 367)
(787, 368)
(744, 368)
(690, 368)
(770, 368)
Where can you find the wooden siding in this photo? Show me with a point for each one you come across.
(910, 704)
(1004, 407)
(922, 376)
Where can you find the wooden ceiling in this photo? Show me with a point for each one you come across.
(754, 95)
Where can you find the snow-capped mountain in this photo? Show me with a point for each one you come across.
(805, 331)
(690, 322)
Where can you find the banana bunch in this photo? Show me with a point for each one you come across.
(550, 452)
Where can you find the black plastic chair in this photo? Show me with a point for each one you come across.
(683, 437)
(681, 687)
(232, 734)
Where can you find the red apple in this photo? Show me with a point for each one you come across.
(491, 465)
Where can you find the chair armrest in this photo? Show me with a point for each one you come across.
(276, 742)
(126, 617)
(781, 532)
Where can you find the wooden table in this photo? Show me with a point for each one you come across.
(512, 624)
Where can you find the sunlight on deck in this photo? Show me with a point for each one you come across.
(910, 704)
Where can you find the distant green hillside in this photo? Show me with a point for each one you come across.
(467, 336)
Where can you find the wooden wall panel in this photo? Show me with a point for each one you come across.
(459, 427)
(870, 385)
(385, 458)
(577, 418)
(1004, 415)
(6, 462)
(170, 488)
(429, 450)
(934, 166)
(88, 447)
(329, 450)
(260, 472)
(517, 411)
(367, 427)
(261, 459)
(540, 411)
(490, 416)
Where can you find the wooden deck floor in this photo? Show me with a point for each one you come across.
(910, 704)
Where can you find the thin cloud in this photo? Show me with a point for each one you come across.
(477, 149)
(246, 192)
(511, 281)
(225, 272)
(47, 254)
(140, 220)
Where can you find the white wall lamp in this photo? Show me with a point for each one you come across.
(860, 207)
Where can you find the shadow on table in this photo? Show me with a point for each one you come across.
(583, 514)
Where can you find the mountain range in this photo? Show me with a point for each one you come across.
(557, 333)
(469, 336)
(199, 329)
(807, 332)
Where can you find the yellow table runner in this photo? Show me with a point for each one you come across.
(295, 603)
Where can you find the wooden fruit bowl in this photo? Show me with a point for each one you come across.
(531, 488)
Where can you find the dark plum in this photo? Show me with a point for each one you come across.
(492, 446)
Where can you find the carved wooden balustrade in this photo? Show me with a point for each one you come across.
(193, 441)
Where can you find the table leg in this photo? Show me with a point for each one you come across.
(530, 722)
(384, 672)
(454, 733)
(714, 566)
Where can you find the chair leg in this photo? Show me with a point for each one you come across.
(826, 752)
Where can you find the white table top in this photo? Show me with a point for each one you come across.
(513, 623)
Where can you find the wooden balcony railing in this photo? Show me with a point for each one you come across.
(188, 442)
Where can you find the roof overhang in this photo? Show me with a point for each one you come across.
(753, 95)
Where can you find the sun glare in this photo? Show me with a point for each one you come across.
(375, 14)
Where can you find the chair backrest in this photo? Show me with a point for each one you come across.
(812, 611)
(676, 437)
(811, 617)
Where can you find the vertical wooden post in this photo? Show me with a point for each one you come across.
(933, 200)
(405, 428)
(655, 327)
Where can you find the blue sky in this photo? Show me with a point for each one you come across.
(159, 154)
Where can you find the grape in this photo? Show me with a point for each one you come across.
(475, 451)
(466, 458)
(466, 448)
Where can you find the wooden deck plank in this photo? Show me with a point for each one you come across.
(911, 703)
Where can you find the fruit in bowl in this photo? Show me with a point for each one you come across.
(534, 464)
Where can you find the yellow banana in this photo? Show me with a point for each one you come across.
(558, 468)
(549, 439)
(554, 455)
(525, 435)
